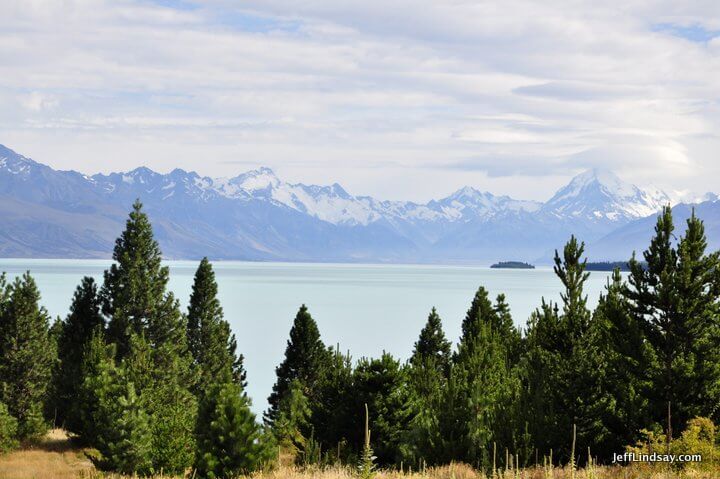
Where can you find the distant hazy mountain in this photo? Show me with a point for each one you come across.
(635, 236)
(257, 216)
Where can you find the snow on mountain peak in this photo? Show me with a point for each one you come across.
(599, 194)
(262, 178)
(14, 162)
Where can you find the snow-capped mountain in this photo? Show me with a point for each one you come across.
(256, 215)
(598, 196)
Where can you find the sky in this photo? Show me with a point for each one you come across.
(398, 99)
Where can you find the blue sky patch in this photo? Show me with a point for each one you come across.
(695, 33)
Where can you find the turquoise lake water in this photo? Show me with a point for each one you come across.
(366, 309)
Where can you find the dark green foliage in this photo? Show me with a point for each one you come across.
(229, 440)
(560, 372)
(134, 292)
(123, 429)
(432, 346)
(481, 381)
(382, 385)
(8, 429)
(159, 390)
(480, 313)
(97, 357)
(172, 424)
(76, 332)
(427, 380)
(675, 298)
(170, 405)
(332, 414)
(209, 337)
(292, 425)
(625, 360)
(305, 360)
(27, 355)
(150, 339)
(512, 265)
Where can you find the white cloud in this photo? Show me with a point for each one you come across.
(397, 98)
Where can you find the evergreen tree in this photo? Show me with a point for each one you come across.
(124, 437)
(626, 360)
(151, 341)
(480, 313)
(8, 430)
(427, 378)
(292, 425)
(571, 271)
(509, 334)
(332, 422)
(432, 344)
(482, 382)
(230, 442)
(76, 332)
(134, 291)
(97, 356)
(171, 406)
(674, 295)
(563, 388)
(209, 338)
(305, 360)
(172, 424)
(382, 385)
(698, 286)
(541, 364)
(26, 356)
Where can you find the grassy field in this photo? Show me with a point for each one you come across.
(56, 458)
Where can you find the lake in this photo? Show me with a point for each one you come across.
(366, 309)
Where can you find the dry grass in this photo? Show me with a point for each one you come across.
(56, 458)
(52, 458)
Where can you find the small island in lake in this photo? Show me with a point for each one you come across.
(512, 265)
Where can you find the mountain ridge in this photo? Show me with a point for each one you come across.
(257, 216)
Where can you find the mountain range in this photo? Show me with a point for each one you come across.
(256, 216)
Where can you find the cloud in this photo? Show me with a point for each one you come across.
(350, 91)
(37, 101)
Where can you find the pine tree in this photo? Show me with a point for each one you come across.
(209, 338)
(509, 333)
(625, 359)
(292, 426)
(698, 286)
(563, 388)
(172, 424)
(306, 358)
(331, 421)
(482, 382)
(571, 271)
(427, 377)
(480, 313)
(541, 364)
(432, 344)
(381, 383)
(97, 356)
(8, 430)
(150, 338)
(76, 332)
(230, 442)
(26, 356)
(134, 290)
(124, 437)
(674, 295)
